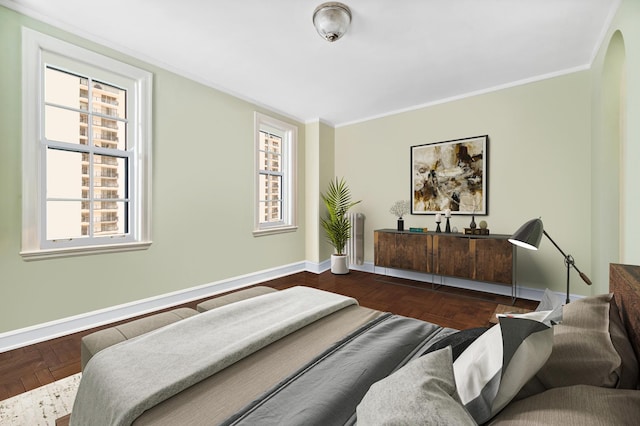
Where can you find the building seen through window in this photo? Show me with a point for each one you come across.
(275, 179)
(86, 160)
(270, 196)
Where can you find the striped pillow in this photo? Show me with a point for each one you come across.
(491, 371)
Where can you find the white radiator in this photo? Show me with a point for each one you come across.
(355, 244)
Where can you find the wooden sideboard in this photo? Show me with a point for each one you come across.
(488, 258)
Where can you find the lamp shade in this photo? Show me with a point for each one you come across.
(331, 20)
(528, 235)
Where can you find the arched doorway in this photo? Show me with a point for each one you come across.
(607, 165)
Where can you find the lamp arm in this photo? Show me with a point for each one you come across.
(569, 259)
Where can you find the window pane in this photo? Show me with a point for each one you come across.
(270, 211)
(274, 187)
(71, 219)
(270, 204)
(270, 161)
(270, 180)
(276, 210)
(108, 100)
(67, 174)
(109, 133)
(65, 126)
(109, 177)
(269, 187)
(109, 218)
(65, 220)
(273, 143)
(270, 152)
(65, 89)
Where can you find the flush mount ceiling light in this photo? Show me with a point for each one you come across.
(332, 20)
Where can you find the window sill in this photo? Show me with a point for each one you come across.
(271, 231)
(29, 255)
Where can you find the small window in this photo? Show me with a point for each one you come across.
(275, 143)
(86, 148)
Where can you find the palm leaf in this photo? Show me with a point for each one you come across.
(336, 225)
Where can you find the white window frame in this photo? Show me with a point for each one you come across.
(289, 170)
(38, 50)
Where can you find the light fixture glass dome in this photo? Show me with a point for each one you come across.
(332, 20)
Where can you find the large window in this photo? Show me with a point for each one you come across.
(275, 175)
(86, 151)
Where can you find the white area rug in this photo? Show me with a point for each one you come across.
(41, 406)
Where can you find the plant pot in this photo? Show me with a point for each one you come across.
(339, 264)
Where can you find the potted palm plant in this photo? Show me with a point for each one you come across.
(336, 225)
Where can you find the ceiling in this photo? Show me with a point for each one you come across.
(396, 56)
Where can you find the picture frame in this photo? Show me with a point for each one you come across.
(450, 175)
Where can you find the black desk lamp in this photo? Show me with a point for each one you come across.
(529, 236)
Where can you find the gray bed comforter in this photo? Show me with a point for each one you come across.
(328, 390)
(124, 380)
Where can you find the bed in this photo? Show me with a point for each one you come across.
(303, 356)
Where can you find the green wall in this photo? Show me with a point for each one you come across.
(202, 201)
(539, 165)
(320, 139)
(616, 142)
(625, 34)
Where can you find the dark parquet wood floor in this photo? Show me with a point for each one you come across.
(27, 368)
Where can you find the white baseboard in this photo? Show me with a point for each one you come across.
(50, 330)
(365, 267)
(325, 265)
(318, 268)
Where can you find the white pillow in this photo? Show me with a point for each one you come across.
(491, 371)
(423, 392)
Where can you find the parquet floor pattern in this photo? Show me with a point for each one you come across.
(33, 366)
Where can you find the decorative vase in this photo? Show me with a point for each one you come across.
(339, 264)
(401, 224)
(472, 225)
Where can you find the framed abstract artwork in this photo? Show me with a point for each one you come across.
(450, 175)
